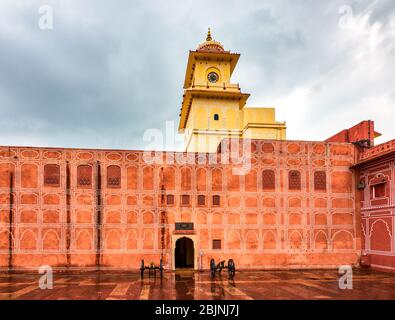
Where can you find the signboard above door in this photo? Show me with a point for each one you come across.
(184, 226)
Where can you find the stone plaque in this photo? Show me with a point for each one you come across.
(184, 226)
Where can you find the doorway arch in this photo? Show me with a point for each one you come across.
(184, 253)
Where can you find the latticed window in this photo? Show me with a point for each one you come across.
(84, 176)
(201, 200)
(320, 180)
(268, 180)
(113, 177)
(294, 182)
(216, 244)
(51, 175)
(216, 200)
(170, 199)
(185, 199)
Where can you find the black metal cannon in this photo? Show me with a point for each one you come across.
(218, 267)
(151, 269)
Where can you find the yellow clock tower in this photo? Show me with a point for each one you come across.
(213, 108)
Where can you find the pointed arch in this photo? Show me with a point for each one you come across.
(269, 240)
(132, 177)
(320, 240)
(83, 240)
(201, 217)
(51, 240)
(148, 240)
(186, 178)
(114, 176)
(131, 240)
(113, 240)
(201, 179)
(295, 240)
(342, 239)
(148, 178)
(386, 227)
(380, 236)
(169, 178)
(84, 176)
(29, 175)
(234, 240)
(28, 240)
(5, 238)
(233, 180)
(252, 240)
(216, 179)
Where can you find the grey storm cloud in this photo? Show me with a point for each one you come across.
(109, 70)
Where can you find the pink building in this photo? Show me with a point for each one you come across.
(376, 172)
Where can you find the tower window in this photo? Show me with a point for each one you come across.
(216, 117)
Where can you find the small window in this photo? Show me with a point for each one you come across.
(294, 182)
(185, 200)
(170, 199)
(84, 176)
(113, 177)
(217, 244)
(379, 190)
(216, 117)
(268, 180)
(320, 181)
(201, 200)
(216, 200)
(51, 175)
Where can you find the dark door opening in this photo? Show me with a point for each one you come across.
(184, 253)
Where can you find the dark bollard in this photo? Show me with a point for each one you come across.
(142, 269)
(212, 268)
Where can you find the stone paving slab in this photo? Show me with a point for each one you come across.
(191, 285)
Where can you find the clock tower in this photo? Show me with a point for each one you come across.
(213, 108)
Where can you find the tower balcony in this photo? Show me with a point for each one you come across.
(217, 87)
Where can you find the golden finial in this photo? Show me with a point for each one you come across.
(209, 38)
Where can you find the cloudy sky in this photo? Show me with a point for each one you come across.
(109, 70)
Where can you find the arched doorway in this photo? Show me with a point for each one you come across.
(184, 253)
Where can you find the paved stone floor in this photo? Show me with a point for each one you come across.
(312, 284)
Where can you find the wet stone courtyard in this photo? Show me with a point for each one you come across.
(188, 284)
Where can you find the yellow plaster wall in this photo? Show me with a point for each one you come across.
(203, 68)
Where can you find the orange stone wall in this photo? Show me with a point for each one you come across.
(260, 226)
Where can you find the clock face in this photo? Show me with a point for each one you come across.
(212, 77)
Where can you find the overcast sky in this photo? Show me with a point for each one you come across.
(109, 70)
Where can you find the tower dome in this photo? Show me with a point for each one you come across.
(210, 45)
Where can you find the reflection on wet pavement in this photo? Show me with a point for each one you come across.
(189, 285)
